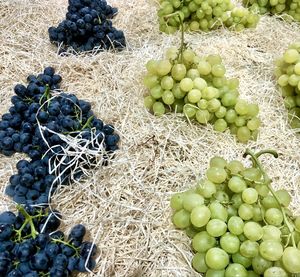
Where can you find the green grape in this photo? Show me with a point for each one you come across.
(274, 216)
(194, 25)
(240, 259)
(204, 67)
(189, 110)
(216, 258)
(249, 249)
(214, 59)
(158, 108)
(275, 272)
(294, 80)
(271, 250)
(241, 107)
(243, 134)
(150, 81)
(177, 92)
(262, 190)
(172, 52)
(167, 83)
(253, 110)
(156, 92)
(178, 72)
(236, 225)
(231, 211)
(200, 216)
(240, 121)
(213, 105)
(218, 211)
(229, 99)
(217, 162)
(194, 96)
(209, 93)
(236, 270)
(202, 116)
(188, 56)
(290, 259)
(220, 125)
(291, 56)
(177, 201)
(193, 74)
(181, 219)
(297, 68)
(215, 273)
(284, 197)
(149, 101)
(252, 174)
(257, 213)
(221, 112)
(163, 67)
(206, 189)
(245, 211)
(297, 222)
(202, 242)
(151, 67)
(216, 175)
(221, 196)
(200, 83)
(230, 243)
(283, 80)
(252, 274)
(177, 106)
(230, 116)
(168, 97)
(253, 231)
(250, 195)
(253, 124)
(271, 233)
(198, 262)
(237, 200)
(237, 184)
(218, 70)
(216, 227)
(235, 167)
(260, 265)
(202, 104)
(186, 84)
(192, 200)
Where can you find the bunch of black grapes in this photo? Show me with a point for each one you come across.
(37, 124)
(31, 245)
(88, 26)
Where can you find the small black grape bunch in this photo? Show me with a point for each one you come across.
(31, 245)
(87, 26)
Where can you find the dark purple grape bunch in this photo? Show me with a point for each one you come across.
(88, 26)
(37, 124)
(17, 127)
(31, 245)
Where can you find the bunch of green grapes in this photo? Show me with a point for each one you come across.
(290, 7)
(204, 15)
(197, 86)
(239, 226)
(288, 78)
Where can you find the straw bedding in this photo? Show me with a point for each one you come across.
(126, 205)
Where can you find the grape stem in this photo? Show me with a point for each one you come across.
(182, 44)
(268, 181)
(67, 244)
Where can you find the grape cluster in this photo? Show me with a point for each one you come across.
(288, 78)
(41, 123)
(31, 245)
(240, 226)
(87, 26)
(289, 7)
(197, 86)
(204, 15)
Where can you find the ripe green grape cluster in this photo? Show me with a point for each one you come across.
(289, 7)
(239, 226)
(204, 15)
(197, 87)
(288, 78)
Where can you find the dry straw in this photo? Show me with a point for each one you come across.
(126, 205)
